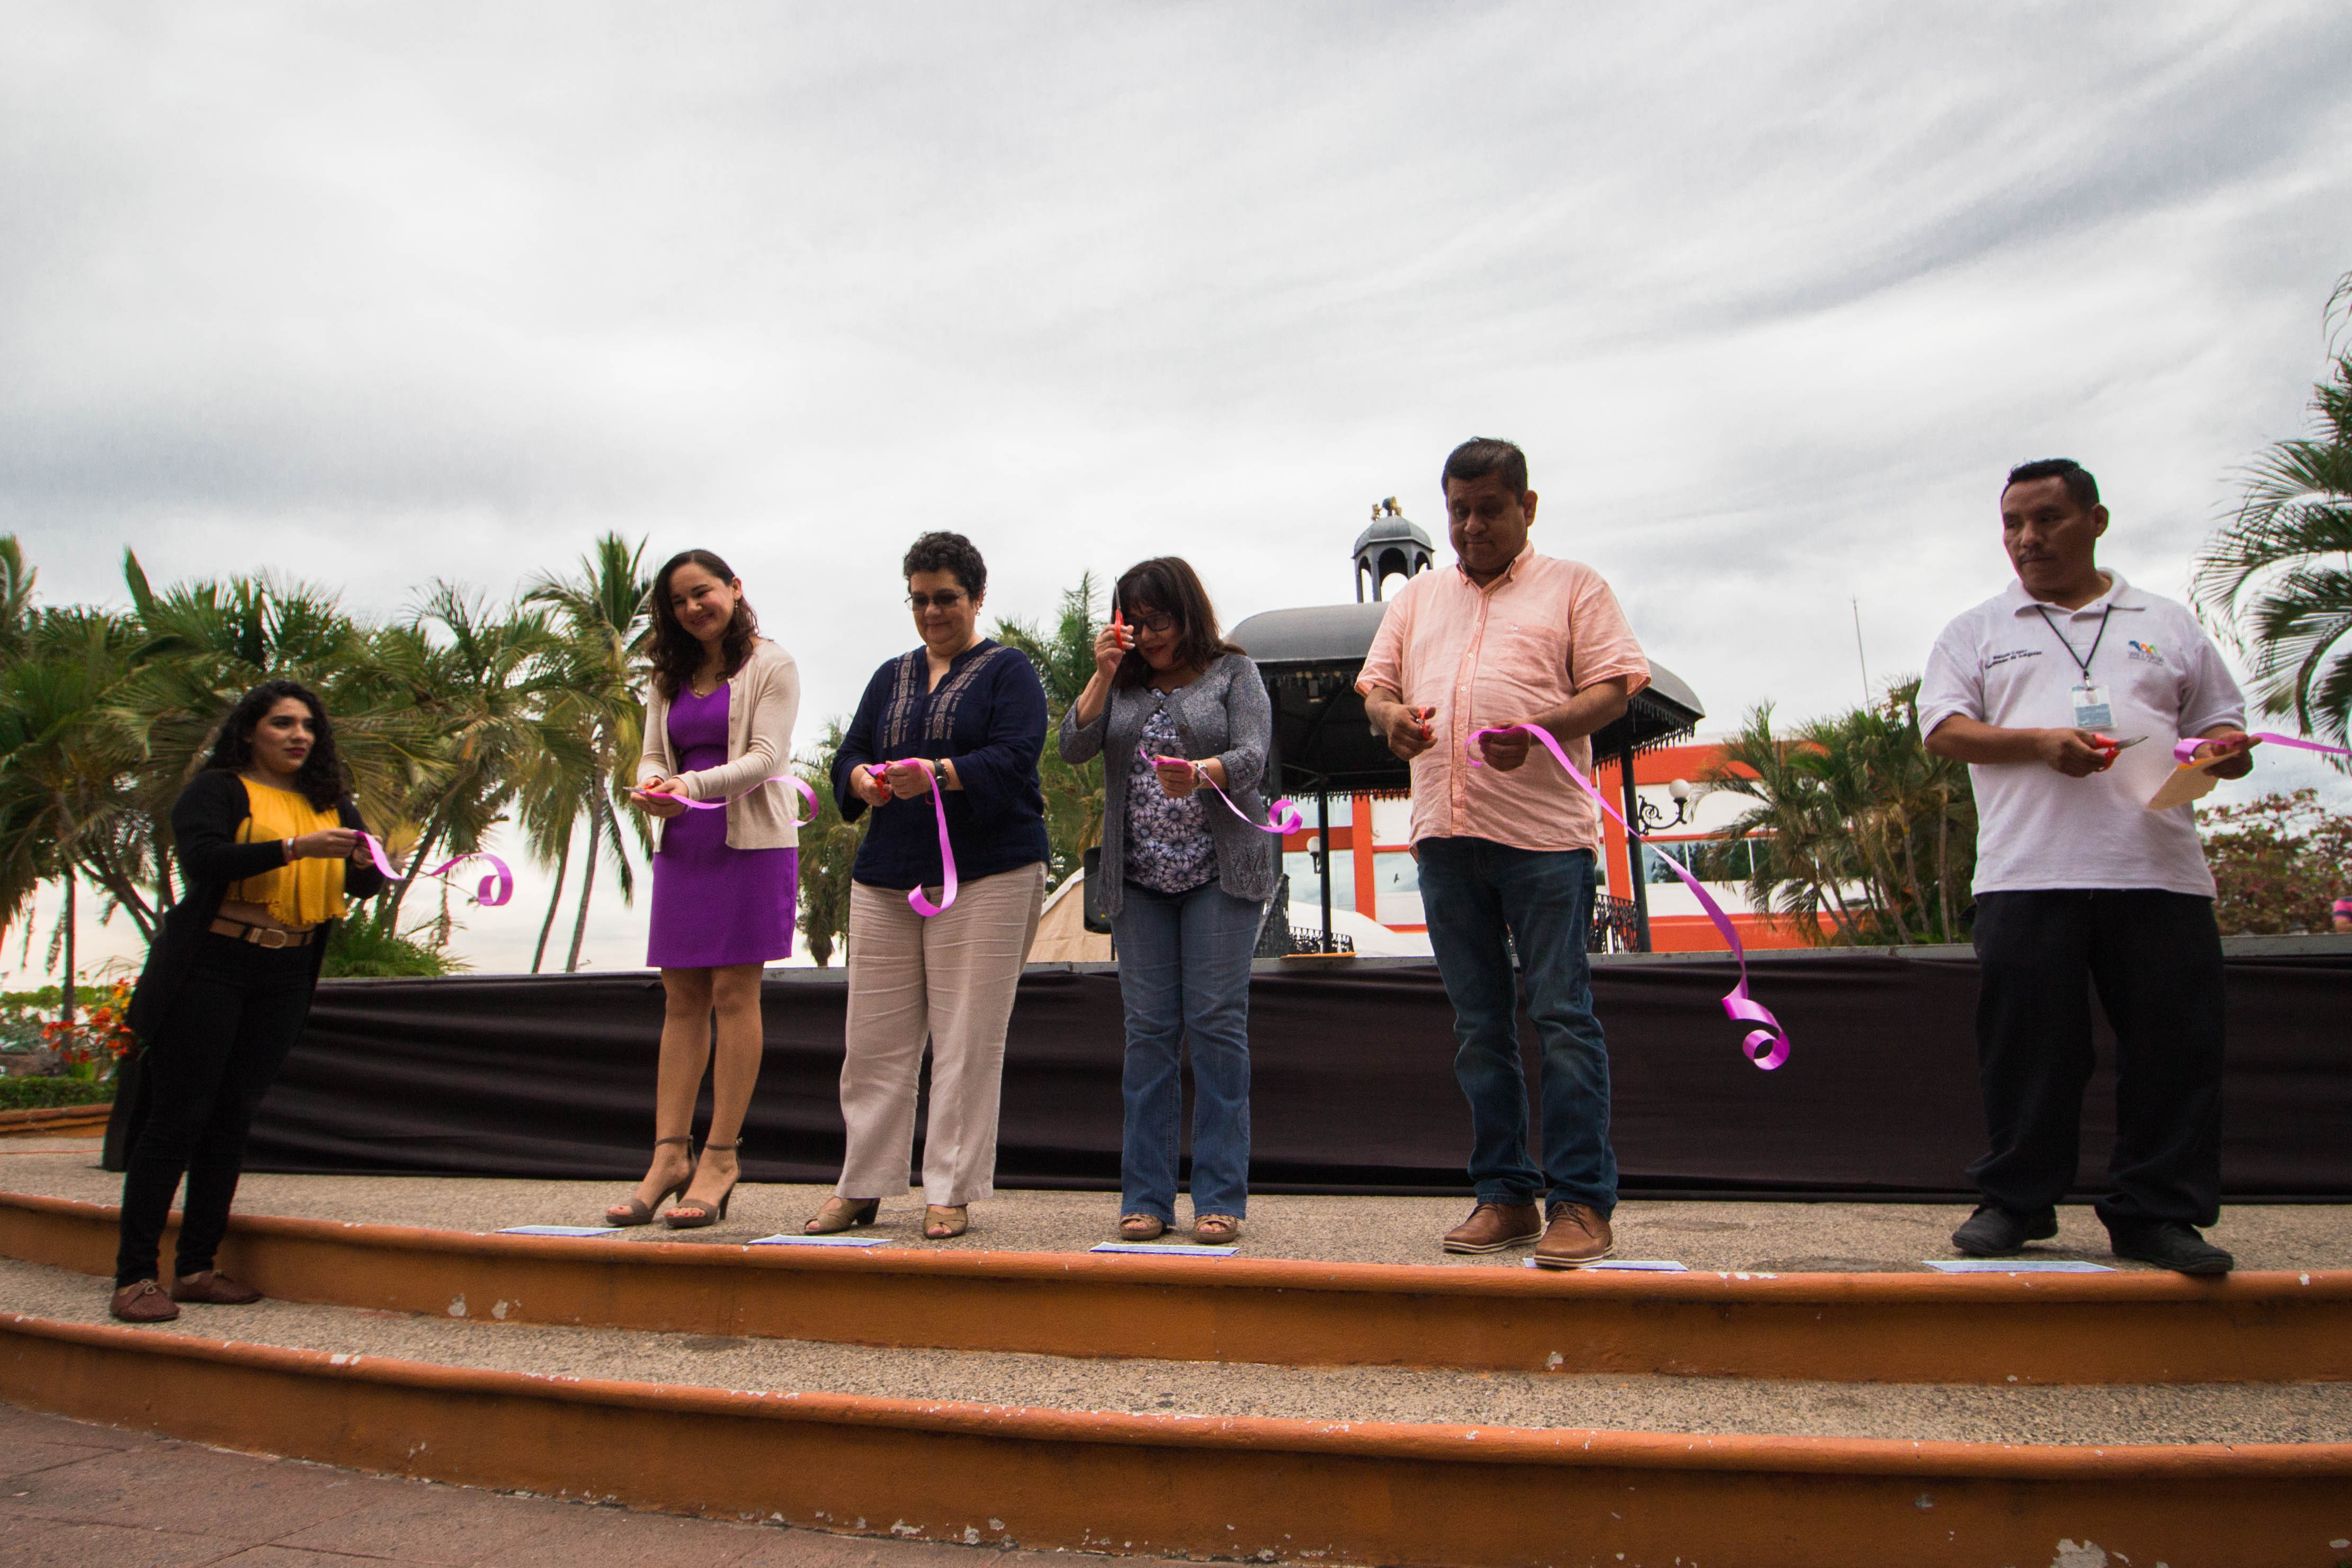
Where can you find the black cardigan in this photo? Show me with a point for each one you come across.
(205, 820)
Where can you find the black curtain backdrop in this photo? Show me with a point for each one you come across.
(1353, 1091)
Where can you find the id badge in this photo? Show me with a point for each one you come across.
(2091, 709)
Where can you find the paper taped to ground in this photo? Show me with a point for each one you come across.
(561, 1230)
(820, 1241)
(2017, 1266)
(1166, 1249)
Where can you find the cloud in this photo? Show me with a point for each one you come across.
(1772, 294)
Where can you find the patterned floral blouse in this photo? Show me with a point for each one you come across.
(1169, 849)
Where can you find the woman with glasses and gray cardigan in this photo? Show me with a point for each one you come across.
(1172, 709)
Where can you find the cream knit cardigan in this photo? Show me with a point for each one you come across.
(763, 698)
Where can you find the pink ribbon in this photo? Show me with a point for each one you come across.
(1767, 1046)
(915, 899)
(1282, 817)
(794, 779)
(2185, 751)
(495, 888)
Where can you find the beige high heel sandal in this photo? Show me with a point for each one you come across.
(637, 1211)
(694, 1213)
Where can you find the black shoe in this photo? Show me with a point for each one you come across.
(2169, 1244)
(1993, 1231)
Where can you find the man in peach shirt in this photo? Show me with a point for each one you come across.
(1508, 851)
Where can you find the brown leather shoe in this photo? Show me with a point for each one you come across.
(1495, 1226)
(213, 1286)
(1576, 1236)
(143, 1302)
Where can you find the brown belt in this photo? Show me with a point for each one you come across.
(262, 935)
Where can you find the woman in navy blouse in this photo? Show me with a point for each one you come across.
(966, 716)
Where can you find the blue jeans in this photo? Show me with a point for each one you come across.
(1184, 969)
(1475, 891)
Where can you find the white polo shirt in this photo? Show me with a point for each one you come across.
(2002, 663)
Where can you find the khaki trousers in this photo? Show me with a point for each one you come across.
(950, 978)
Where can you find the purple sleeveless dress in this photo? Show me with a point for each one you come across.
(714, 906)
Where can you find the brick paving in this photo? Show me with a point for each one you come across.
(73, 1494)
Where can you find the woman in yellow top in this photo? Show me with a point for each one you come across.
(269, 844)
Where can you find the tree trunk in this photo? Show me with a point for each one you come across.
(389, 922)
(1944, 865)
(1911, 875)
(1882, 871)
(66, 1014)
(547, 926)
(587, 886)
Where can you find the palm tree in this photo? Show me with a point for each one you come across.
(602, 618)
(208, 643)
(479, 683)
(828, 848)
(1854, 821)
(67, 761)
(2276, 575)
(16, 596)
(1064, 658)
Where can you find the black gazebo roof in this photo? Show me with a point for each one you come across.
(1310, 658)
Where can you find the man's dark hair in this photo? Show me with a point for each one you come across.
(2081, 488)
(320, 780)
(1167, 585)
(1481, 456)
(949, 552)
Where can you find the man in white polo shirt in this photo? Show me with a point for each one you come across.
(2064, 696)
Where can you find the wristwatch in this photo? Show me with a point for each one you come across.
(940, 770)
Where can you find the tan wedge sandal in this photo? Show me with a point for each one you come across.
(840, 1214)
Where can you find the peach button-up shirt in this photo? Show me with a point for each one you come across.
(1520, 646)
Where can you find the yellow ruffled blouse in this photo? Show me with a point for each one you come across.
(303, 892)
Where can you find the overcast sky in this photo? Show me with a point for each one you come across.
(1772, 295)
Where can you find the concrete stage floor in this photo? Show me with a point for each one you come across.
(1773, 1238)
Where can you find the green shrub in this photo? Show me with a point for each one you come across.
(29, 1093)
(359, 950)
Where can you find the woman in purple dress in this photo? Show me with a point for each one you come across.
(719, 726)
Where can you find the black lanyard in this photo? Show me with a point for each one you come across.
(2083, 660)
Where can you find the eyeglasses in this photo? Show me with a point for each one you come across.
(1157, 625)
(947, 601)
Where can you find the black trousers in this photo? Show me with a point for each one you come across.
(223, 1038)
(2155, 958)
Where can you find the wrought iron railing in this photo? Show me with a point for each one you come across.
(1615, 926)
(1308, 939)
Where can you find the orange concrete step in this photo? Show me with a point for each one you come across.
(1252, 1488)
(1897, 1328)
(50, 1121)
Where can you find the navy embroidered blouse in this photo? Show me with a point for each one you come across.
(988, 717)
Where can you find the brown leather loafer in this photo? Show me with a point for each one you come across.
(1495, 1226)
(212, 1286)
(1576, 1236)
(143, 1302)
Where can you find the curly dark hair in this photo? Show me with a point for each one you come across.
(1167, 585)
(320, 779)
(944, 552)
(676, 653)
